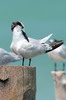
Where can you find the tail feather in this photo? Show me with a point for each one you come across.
(45, 39)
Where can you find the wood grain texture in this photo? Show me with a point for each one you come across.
(17, 83)
(59, 78)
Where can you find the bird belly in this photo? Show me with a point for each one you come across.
(28, 54)
(55, 56)
(27, 50)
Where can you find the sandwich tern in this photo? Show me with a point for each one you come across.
(28, 47)
(8, 57)
(58, 54)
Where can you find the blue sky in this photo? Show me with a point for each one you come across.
(41, 18)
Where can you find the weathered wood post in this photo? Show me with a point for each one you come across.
(17, 83)
(60, 84)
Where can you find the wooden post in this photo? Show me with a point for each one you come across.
(60, 84)
(17, 83)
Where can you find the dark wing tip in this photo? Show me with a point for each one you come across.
(54, 46)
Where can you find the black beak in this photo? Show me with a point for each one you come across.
(25, 35)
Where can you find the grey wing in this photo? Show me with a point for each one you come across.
(63, 52)
(15, 57)
(4, 59)
(7, 57)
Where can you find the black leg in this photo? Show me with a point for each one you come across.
(63, 67)
(55, 64)
(23, 62)
(29, 62)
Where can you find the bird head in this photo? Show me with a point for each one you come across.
(17, 24)
(18, 27)
(56, 43)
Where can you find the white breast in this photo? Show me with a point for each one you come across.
(55, 55)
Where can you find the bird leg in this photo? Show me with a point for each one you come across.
(29, 61)
(55, 64)
(63, 67)
(23, 62)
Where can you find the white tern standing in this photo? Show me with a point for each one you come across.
(28, 47)
(58, 54)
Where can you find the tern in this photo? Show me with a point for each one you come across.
(8, 57)
(27, 47)
(58, 54)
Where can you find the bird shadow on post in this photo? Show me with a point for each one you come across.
(17, 83)
(59, 78)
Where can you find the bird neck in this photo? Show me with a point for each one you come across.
(17, 35)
